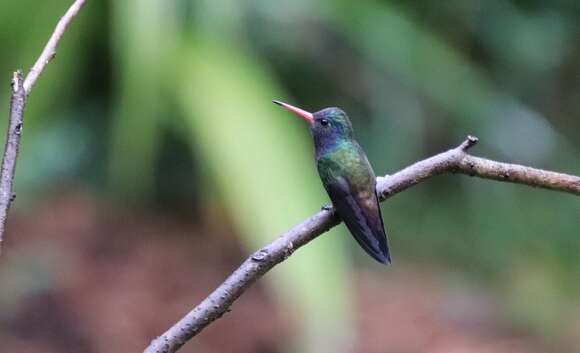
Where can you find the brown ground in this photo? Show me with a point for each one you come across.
(76, 279)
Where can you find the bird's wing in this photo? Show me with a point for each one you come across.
(358, 206)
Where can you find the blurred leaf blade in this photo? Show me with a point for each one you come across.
(145, 37)
(261, 163)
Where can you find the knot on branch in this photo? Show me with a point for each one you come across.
(260, 256)
(469, 142)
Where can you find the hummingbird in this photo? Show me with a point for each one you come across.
(347, 177)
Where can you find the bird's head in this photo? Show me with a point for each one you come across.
(327, 125)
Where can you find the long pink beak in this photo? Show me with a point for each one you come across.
(303, 113)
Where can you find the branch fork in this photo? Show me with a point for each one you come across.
(21, 88)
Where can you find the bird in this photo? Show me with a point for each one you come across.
(348, 178)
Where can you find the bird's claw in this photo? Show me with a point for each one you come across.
(326, 208)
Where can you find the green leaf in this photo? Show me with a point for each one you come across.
(261, 161)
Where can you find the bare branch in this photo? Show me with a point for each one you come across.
(515, 173)
(20, 90)
(17, 103)
(452, 161)
(49, 51)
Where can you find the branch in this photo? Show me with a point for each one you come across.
(20, 90)
(17, 103)
(453, 161)
(49, 51)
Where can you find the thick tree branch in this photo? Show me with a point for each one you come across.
(20, 90)
(452, 161)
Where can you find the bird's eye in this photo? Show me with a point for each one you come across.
(324, 122)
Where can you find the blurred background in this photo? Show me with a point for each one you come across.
(153, 163)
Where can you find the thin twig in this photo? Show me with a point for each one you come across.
(452, 161)
(20, 90)
(49, 51)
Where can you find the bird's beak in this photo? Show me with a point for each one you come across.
(303, 113)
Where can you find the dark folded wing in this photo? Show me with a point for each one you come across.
(360, 211)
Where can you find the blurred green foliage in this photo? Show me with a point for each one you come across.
(415, 77)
